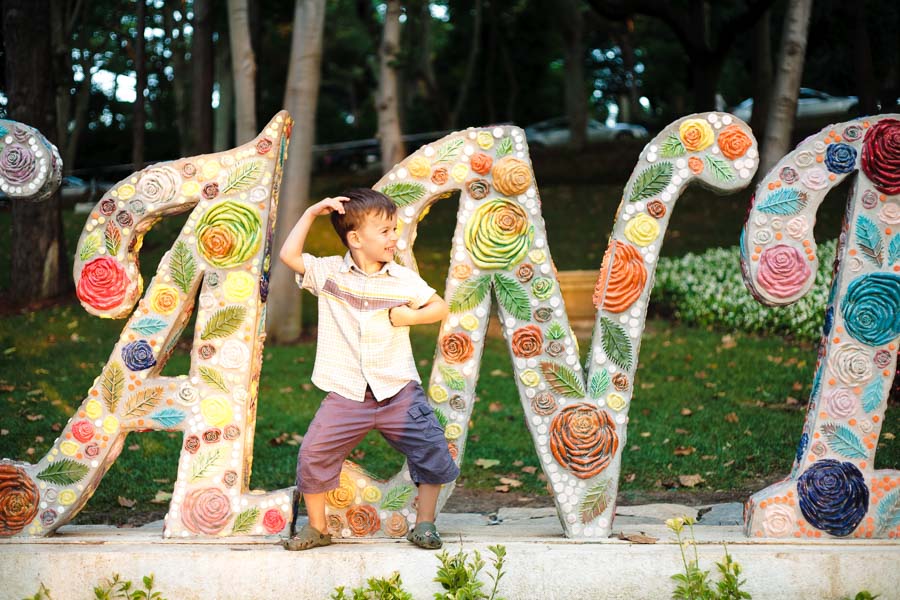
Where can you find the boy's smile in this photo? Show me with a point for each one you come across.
(373, 244)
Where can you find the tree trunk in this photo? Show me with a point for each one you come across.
(762, 72)
(386, 101)
(576, 94)
(202, 65)
(243, 64)
(39, 265)
(471, 64)
(629, 107)
(180, 78)
(301, 96)
(705, 72)
(783, 109)
(423, 41)
(140, 69)
(862, 58)
(223, 116)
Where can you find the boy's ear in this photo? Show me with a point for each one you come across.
(353, 239)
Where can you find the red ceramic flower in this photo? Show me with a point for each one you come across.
(19, 499)
(881, 156)
(102, 284)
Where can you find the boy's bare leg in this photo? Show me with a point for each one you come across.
(315, 510)
(428, 496)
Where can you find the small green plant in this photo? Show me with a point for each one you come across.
(863, 595)
(694, 583)
(458, 574)
(377, 588)
(42, 594)
(115, 588)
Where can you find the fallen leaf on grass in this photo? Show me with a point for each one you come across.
(645, 434)
(499, 373)
(126, 502)
(29, 451)
(732, 417)
(501, 488)
(307, 387)
(34, 417)
(684, 450)
(487, 463)
(637, 538)
(134, 447)
(630, 477)
(285, 390)
(728, 342)
(161, 497)
(690, 480)
(686, 412)
(495, 407)
(510, 482)
(709, 457)
(682, 431)
(728, 464)
(518, 463)
(888, 435)
(4, 431)
(529, 470)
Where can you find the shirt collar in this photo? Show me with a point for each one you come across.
(389, 268)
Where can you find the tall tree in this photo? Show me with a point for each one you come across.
(243, 65)
(762, 73)
(39, 263)
(300, 98)
(202, 88)
(140, 70)
(783, 107)
(223, 115)
(471, 66)
(175, 25)
(572, 28)
(387, 101)
(862, 59)
(705, 30)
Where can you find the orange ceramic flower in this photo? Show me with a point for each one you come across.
(512, 176)
(396, 525)
(457, 348)
(625, 282)
(583, 439)
(527, 341)
(363, 520)
(544, 404)
(695, 134)
(481, 163)
(695, 165)
(439, 176)
(461, 271)
(19, 499)
(734, 142)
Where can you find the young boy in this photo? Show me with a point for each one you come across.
(364, 360)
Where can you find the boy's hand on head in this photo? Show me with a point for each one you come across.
(401, 316)
(328, 205)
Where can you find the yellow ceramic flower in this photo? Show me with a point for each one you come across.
(239, 285)
(459, 172)
(498, 235)
(530, 377)
(67, 497)
(642, 230)
(190, 189)
(163, 299)
(453, 431)
(615, 402)
(69, 448)
(126, 191)
(485, 140)
(229, 234)
(437, 393)
(469, 322)
(210, 169)
(512, 176)
(537, 256)
(371, 494)
(419, 167)
(93, 409)
(696, 134)
(343, 495)
(110, 424)
(216, 410)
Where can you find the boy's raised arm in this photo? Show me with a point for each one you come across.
(291, 252)
(432, 311)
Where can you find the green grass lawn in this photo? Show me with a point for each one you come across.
(729, 410)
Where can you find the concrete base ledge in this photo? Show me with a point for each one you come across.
(541, 563)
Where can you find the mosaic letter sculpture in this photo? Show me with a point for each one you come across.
(30, 166)
(223, 252)
(577, 421)
(833, 487)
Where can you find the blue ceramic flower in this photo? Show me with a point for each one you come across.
(840, 158)
(138, 355)
(829, 320)
(871, 308)
(801, 447)
(833, 496)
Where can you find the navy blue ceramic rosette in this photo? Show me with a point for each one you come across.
(138, 356)
(871, 308)
(840, 158)
(833, 496)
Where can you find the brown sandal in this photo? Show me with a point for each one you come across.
(425, 535)
(308, 537)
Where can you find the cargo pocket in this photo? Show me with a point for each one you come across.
(422, 417)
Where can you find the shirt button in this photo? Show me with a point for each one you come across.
(365, 303)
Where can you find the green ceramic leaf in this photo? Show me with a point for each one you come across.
(224, 322)
(594, 502)
(449, 151)
(112, 382)
(441, 417)
(243, 175)
(672, 147)
(90, 245)
(205, 464)
(182, 266)
(651, 181)
(562, 379)
(452, 378)
(555, 331)
(720, 168)
(504, 147)
(404, 193)
(213, 378)
(512, 297)
(244, 522)
(616, 344)
(599, 383)
(113, 239)
(397, 497)
(64, 472)
(142, 402)
(470, 293)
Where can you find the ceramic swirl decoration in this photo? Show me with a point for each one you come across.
(30, 166)
(834, 488)
(221, 261)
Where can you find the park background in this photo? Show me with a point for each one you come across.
(722, 385)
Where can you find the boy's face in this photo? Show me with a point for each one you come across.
(376, 239)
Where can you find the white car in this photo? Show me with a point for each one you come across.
(555, 132)
(811, 104)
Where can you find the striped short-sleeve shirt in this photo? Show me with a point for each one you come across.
(356, 343)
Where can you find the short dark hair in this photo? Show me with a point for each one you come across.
(363, 203)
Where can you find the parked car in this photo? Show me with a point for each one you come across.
(811, 104)
(555, 132)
